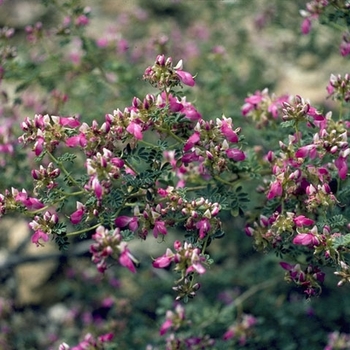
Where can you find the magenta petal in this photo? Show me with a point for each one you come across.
(126, 261)
(186, 77)
(235, 154)
(122, 221)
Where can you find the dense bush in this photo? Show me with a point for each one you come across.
(155, 144)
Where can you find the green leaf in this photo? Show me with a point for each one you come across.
(127, 235)
(341, 241)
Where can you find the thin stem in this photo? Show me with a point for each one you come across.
(169, 132)
(83, 230)
(228, 183)
(148, 144)
(241, 299)
(253, 290)
(33, 212)
(205, 244)
(60, 164)
(67, 194)
(130, 166)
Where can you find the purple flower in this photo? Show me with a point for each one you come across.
(123, 221)
(164, 260)
(77, 216)
(39, 235)
(165, 326)
(235, 154)
(125, 258)
(135, 129)
(77, 140)
(342, 167)
(308, 150)
(204, 227)
(301, 220)
(190, 112)
(38, 146)
(96, 186)
(306, 26)
(194, 139)
(29, 202)
(227, 131)
(159, 228)
(276, 190)
(69, 121)
(185, 77)
(307, 239)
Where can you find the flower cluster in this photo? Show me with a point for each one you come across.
(188, 260)
(89, 342)
(210, 145)
(313, 10)
(190, 343)
(44, 177)
(262, 107)
(46, 131)
(174, 320)
(108, 243)
(309, 279)
(338, 341)
(18, 200)
(339, 87)
(164, 75)
(333, 10)
(307, 174)
(241, 329)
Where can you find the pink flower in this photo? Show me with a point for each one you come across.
(29, 202)
(190, 112)
(102, 42)
(235, 154)
(345, 48)
(174, 104)
(199, 268)
(204, 227)
(229, 334)
(96, 186)
(82, 21)
(306, 26)
(106, 337)
(69, 121)
(135, 129)
(38, 146)
(227, 131)
(301, 220)
(164, 260)
(307, 239)
(159, 228)
(194, 139)
(123, 221)
(77, 140)
(286, 266)
(342, 167)
(276, 190)
(330, 89)
(38, 235)
(165, 326)
(126, 259)
(185, 77)
(308, 150)
(76, 217)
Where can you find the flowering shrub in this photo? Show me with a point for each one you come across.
(160, 167)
